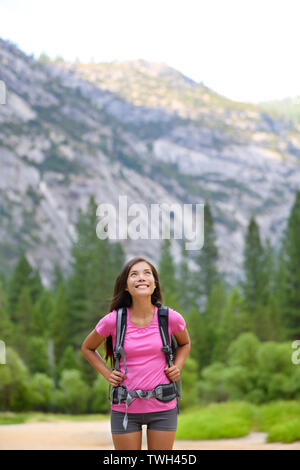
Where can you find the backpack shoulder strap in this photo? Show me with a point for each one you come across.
(168, 349)
(163, 322)
(121, 323)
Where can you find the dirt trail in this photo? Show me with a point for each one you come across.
(95, 435)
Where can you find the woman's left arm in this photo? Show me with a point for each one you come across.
(182, 352)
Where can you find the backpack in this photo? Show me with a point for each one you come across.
(169, 349)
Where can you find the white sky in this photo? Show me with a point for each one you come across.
(246, 50)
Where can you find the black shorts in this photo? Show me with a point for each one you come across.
(160, 420)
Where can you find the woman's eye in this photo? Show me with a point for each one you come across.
(133, 274)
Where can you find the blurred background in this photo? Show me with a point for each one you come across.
(177, 102)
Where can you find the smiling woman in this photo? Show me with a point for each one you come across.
(143, 381)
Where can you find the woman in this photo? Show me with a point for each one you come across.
(137, 287)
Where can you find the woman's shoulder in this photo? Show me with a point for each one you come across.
(110, 316)
(106, 324)
(176, 321)
(173, 313)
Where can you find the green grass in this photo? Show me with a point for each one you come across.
(216, 421)
(12, 418)
(281, 420)
(285, 432)
(31, 416)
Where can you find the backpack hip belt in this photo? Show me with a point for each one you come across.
(162, 392)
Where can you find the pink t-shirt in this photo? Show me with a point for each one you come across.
(144, 358)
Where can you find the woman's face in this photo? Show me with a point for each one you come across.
(140, 274)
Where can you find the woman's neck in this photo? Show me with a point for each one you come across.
(142, 308)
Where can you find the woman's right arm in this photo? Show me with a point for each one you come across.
(88, 348)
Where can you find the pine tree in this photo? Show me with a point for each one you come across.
(185, 289)
(201, 349)
(4, 281)
(40, 320)
(100, 280)
(23, 275)
(267, 317)
(58, 330)
(213, 312)
(6, 325)
(58, 277)
(67, 360)
(36, 286)
(277, 298)
(207, 272)
(77, 286)
(19, 279)
(94, 268)
(254, 285)
(258, 286)
(233, 321)
(23, 318)
(167, 276)
(216, 303)
(37, 357)
(290, 273)
(269, 268)
(118, 257)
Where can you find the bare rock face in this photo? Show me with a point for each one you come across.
(140, 129)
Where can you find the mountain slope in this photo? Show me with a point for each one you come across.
(138, 129)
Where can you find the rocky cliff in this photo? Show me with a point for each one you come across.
(69, 130)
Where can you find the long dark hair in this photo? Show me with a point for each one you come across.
(122, 298)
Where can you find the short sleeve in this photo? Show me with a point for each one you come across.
(176, 322)
(106, 324)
